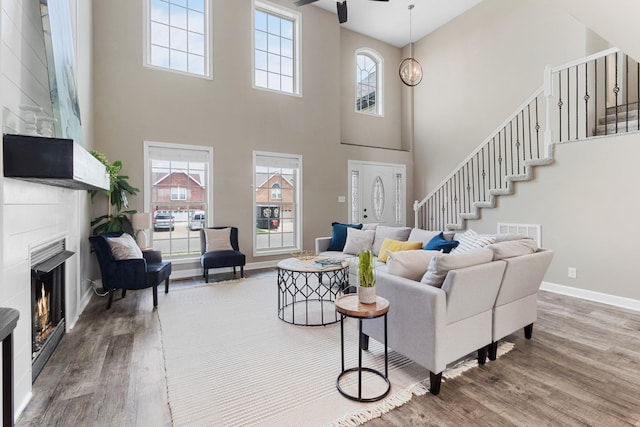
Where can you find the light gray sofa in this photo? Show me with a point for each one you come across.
(475, 307)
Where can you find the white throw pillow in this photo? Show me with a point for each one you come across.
(124, 247)
(358, 241)
(409, 264)
(441, 264)
(513, 248)
(218, 239)
(472, 240)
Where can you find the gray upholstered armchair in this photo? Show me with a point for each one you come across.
(219, 247)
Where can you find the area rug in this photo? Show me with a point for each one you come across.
(230, 361)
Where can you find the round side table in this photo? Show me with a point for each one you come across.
(349, 306)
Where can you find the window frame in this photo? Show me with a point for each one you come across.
(296, 17)
(379, 61)
(208, 39)
(297, 202)
(147, 145)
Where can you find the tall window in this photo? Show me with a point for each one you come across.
(276, 48)
(177, 186)
(177, 35)
(277, 202)
(368, 82)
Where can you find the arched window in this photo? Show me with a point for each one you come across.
(368, 82)
(276, 192)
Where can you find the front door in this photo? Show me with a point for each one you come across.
(377, 192)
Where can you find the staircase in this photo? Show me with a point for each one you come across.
(592, 97)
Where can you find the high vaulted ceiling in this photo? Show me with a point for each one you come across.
(389, 21)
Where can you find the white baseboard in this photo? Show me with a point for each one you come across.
(197, 272)
(622, 302)
(21, 407)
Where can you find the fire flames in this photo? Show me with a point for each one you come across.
(42, 309)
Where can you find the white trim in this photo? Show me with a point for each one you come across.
(23, 405)
(208, 37)
(197, 272)
(296, 16)
(614, 300)
(379, 60)
(147, 174)
(297, 204)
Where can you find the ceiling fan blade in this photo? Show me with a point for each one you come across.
(303, 2)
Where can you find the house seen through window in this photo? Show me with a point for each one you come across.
(178, 196)
(277, 203)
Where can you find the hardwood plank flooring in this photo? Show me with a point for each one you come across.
(582, 368)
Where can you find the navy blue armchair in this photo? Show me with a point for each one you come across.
(222, 258)
(130, 274)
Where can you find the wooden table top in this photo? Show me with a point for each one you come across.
(350, 306)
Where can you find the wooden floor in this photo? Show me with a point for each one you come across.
(582, 368)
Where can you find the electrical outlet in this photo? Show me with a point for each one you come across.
(342, 199)
(572, 273)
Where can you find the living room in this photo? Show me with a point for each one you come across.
(478, 68)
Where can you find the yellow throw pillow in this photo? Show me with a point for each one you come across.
(395, 246)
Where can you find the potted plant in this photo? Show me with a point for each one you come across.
(116, 219)
(367, 279)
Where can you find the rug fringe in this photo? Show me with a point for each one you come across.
(418, 389)
(392, 402)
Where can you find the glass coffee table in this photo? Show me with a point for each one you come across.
(307, 290)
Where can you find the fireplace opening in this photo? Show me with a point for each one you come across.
(47, 302)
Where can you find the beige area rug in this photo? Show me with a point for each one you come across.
(230, 361)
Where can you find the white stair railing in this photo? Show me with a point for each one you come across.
(593, 96)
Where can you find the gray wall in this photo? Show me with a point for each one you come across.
(134, 104)
(478, 69)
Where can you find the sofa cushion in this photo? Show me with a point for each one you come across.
(358, 241)
(339, 235)
(395, 233)
(472, 240)
(391, 245)
(439, 243)
(409, 264)
(418, 234)
(442, 263)
(512, 248)
(370, 226)
(218, 239)
(124, 247)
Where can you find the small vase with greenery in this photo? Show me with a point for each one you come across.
(367, 279)
(116, 219)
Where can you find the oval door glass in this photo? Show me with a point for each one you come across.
(377, 198)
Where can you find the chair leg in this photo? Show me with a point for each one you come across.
(155, 295)
(242, 271)
(482, 355)
(206, 275)
(110, 299)
(234, 271)
(435, 380)
(166, 286)
(528, 331)
(493, 350)
(124, 292)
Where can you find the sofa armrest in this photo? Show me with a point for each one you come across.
(416, 320)
(322, 244)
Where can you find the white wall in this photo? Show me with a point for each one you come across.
(34, 213)
(478, 69)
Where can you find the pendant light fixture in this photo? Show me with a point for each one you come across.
(410, 69)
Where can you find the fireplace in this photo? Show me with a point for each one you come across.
(47, 301)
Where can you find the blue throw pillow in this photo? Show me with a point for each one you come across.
(339, 235)
(439, 243)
